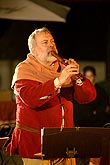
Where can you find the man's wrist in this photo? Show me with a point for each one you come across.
(57, 83)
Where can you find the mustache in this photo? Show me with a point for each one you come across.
(52, 52)
(52, 49)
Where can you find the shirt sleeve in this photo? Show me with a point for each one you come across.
(85, 93)
(33, 93)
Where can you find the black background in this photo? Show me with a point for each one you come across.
(84, 36)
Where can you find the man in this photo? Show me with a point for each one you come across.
(99, 108)
(92, 114)
(44, 85)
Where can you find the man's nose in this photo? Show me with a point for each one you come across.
(51, 44)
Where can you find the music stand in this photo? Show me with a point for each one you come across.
(78, 142)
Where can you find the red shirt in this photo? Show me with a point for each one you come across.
(38, 106)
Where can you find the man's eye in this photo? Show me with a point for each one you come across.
(53, 41)
(44, 43)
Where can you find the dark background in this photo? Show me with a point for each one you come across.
(84, 36)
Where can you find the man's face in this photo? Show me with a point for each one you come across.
(44, 45)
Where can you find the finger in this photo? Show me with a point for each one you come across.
(73, 70)
(72, 60)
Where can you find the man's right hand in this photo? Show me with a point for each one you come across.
(69, 72)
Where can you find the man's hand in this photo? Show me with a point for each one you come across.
(70, 71)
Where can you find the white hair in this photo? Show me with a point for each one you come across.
(31, 40)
